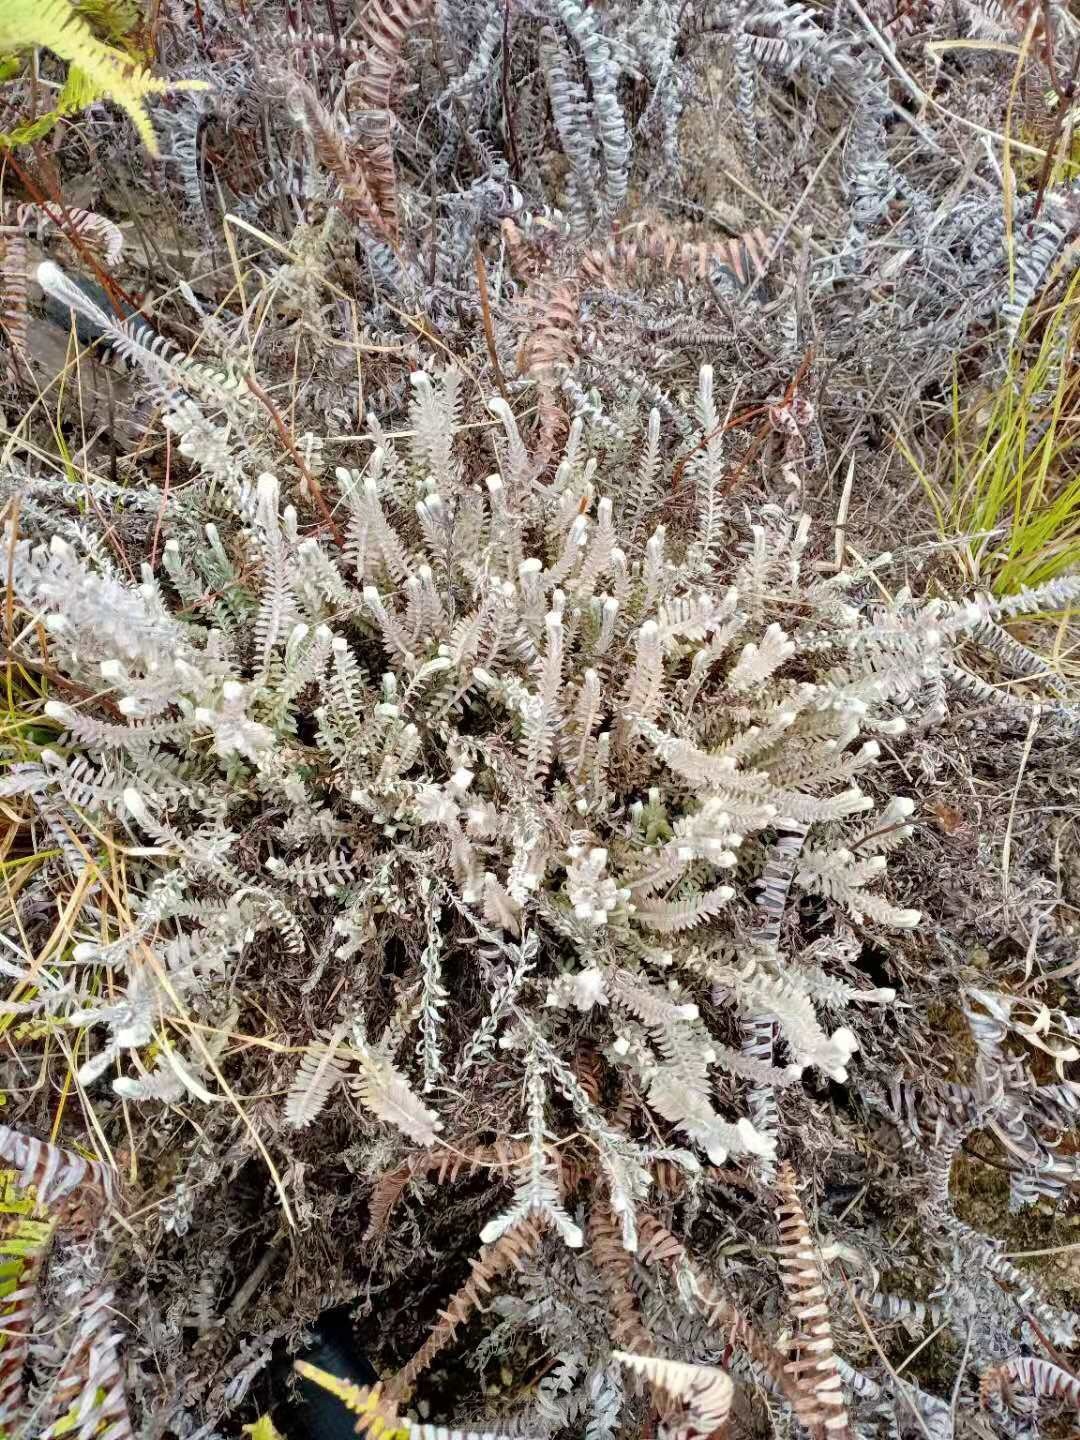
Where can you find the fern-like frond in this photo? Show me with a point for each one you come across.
(616, 1268)
(1039, 1378)
(56, 26)
(705, 1391)
(90, 1380)
(13, 267)
(25, 1234)
(53, 1173)
(331, 150)
(509, 1252)
(376, 1415)
(384, 1091)
(319, 1074)
(671, 916)
(814, 1367)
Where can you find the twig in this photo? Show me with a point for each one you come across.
(298, 460)
(1055, 1356)
(960, 1374)
(921, 1346)
(511, 137)
(789, 223)
(1006, 847)
(969, 1149)
(901, 1385)
(489, 328)
(1036, 1254)
(840, 524)
(918, 93)
(239, 1302)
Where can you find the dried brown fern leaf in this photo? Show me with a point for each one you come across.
(536, 251)
(332, 151)
(444, 1166)
(509, 1252)
(385, 1194)
(385, 26)
(621, 262)
(813, 1368)
(658, 1245)
(589, 1070)
(13, 267)
(551, 339)
(1038, 1378)
(81, 228)
(615, 1266)
(550, 319)
(671, 1179)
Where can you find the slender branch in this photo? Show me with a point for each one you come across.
(298, 460)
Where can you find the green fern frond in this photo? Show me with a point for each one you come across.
(262, 1429)
(374, 1417)
(25, 1231)
(98, 70)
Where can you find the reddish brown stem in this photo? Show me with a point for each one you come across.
(298, 460)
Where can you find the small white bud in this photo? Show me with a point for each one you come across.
(845, 1040)
(266, 488)
(136, 806)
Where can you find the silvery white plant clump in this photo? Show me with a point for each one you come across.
(568, 759)
(565, 725)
